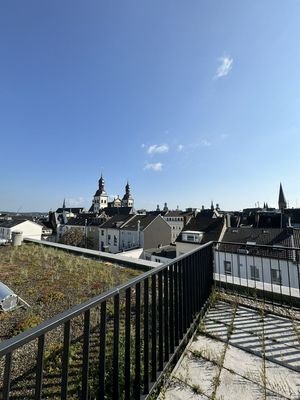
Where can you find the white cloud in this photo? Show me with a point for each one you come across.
(155, 148)
(224, 67)
(180, 147)
(155, 166)
(143, 145)
(205, 143)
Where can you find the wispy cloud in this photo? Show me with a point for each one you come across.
(205, 143)
(155, 148)
(180, 147)
(154, 166)
(225, 67)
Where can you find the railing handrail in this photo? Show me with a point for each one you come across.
(272, 247)
(50, 324)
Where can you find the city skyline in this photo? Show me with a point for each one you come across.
(189, 102)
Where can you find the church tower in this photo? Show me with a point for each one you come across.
(127, 200)
(282, 204)
(101, 197)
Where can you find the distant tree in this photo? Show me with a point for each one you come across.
(74, 237)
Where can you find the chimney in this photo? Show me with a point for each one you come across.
(228, 220)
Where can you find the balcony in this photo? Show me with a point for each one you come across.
(209, 304)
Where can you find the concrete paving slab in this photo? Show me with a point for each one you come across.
(210, 349)
(282, 380)
(216, 329)
(179, 391)
(234, 387)
(242, 363)
(197, 372)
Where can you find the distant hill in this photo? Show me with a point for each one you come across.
(26, 214)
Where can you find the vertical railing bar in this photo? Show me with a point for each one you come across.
(146, 336)
(263, 276)
(180, 308)
(176, 294)
(219, 263)
(127, 343)
(288, 270)
(153, 330)
(270, 268)
(233, 274)
(171, 298)
(102, 352)
(7, 376)
(189, 289)
(298, 272)
(39, 368)
(246, 261)
(280, 275)
(192, 283)
(225, 261)
(166, 315)
(116, 346)
(199, 267)
(138, 341)
(65, 361)
(160, 322)
(85, 357)
(184, 297)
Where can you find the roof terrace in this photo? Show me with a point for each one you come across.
(231, 319)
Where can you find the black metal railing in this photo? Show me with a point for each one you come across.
(115, 345)
(268, 272)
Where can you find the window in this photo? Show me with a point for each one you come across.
(102, 232)
(227, 268)
(254, 272)
(276, 276)
(190, 238)
(115, 240)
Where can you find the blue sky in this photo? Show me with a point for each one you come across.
(191, 101)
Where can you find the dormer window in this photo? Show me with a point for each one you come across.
(192, 236)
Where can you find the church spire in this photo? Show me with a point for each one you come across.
(127, 189)
(101, 184)
(282, 204)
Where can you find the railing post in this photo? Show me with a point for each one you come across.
(138, 342)
(127, 343)
(39, 368)
(166, 315)
(153, 329)
(7, 376)
(116, 390)
(171, 313)
(102, 352)
(85, 357)
(146, 336)
(65, 361)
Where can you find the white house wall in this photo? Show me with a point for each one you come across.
(30, 230)
(241, 269)
(130, 239)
